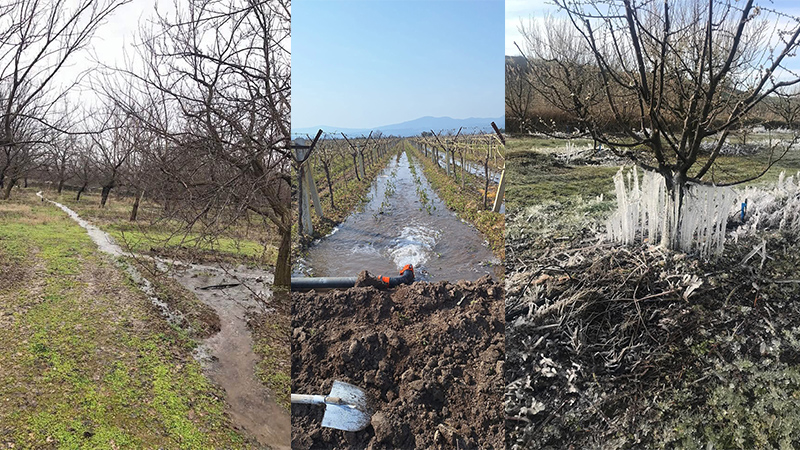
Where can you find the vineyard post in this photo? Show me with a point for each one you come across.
(312, 190)
(501, 187)
(486, 171)
(301, 155)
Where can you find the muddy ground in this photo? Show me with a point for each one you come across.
(429, 354)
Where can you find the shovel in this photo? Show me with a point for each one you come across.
(346, 407)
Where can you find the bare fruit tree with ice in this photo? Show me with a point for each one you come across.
(660, 83)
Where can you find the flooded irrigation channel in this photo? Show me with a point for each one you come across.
(227, 357)
(403, 222)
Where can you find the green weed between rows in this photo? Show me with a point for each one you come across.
(465, 202)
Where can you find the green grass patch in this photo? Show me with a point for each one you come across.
(86, 362)
(534, 177)
(272, 345)
(253, 243)
(141, 239)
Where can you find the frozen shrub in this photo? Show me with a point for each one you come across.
(773, 208)
(641, 208)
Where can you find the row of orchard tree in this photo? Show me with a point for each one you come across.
(466, 155)
(331, 160)
(663, 84)
(196, 119)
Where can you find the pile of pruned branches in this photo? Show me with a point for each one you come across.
(614, 347)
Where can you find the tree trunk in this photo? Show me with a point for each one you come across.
(60, 186)
(283, 265)
(462, 171)
(80, 191)
(25, 182)
(330, 185)
(8, 186)
(676, 188)
(135, 210)
(104, 196)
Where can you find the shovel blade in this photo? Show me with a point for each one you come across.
(354, 414)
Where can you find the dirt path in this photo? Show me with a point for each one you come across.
(227, 356)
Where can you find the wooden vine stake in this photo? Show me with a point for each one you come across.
(501, 187)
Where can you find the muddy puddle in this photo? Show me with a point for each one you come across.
(404, 222)
(227, 357)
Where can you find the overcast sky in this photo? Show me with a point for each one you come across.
(110, 42)
(364, 64)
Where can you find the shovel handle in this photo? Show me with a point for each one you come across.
(316, 399)
(308, 399)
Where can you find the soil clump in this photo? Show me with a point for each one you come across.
(430, 356)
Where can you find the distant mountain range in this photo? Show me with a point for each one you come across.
(413, 127)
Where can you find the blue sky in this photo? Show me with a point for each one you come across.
(368, 63)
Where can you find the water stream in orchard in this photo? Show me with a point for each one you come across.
(227, 357)
(403, 222)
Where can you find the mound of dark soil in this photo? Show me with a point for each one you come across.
(430, 355)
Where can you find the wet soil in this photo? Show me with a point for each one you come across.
(234, 293)
(430, 356)
(228, 355)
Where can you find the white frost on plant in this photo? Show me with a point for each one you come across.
(773, 208)
(641, 207)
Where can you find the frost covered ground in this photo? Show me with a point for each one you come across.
(628, 346)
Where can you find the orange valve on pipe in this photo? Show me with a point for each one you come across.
(406, 277)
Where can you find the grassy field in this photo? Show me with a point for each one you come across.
(251, 243)
(86, 361)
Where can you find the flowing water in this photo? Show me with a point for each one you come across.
(404, 222)
(227, 357)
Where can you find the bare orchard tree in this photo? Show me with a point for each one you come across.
(326, 151)
(686, 71)
(118, 137)
(221, 71)
(85, 166)
(61, 160)
(519, 95)
(37, 38)
(787, 106)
